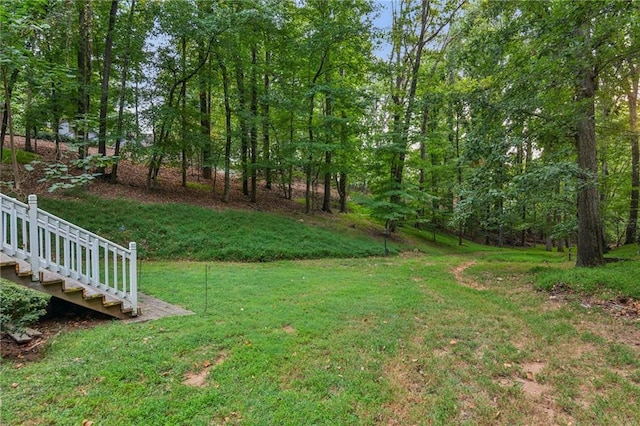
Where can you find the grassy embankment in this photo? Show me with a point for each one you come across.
(405, 339)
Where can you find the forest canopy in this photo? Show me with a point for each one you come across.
(507, 122)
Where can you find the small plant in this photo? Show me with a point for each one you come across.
(58, 176)
(20, 306)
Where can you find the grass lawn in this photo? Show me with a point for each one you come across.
(176, 231)
(429, 337)
(434, 334)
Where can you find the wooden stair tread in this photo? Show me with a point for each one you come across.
(67, 288)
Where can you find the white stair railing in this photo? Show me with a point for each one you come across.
(53, 244)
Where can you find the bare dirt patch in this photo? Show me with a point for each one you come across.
(458, 273)
(199, 379)
(289, 329)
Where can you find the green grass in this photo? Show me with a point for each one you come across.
(620, 278)
(23, 157)
(174, 231)
(336, 341)
(357, 341)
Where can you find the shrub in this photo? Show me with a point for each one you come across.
(20, 306)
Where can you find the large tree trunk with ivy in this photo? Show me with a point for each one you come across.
(590, 236)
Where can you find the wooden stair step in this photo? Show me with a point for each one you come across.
(51, 283)
(92, 296)
(22, 273)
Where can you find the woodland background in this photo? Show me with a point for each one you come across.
(508, 122)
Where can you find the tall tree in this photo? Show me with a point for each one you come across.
(85, 15)
(631, 233)
(104, 88)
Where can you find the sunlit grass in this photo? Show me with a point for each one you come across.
(341, 341)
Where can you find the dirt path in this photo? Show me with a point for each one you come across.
(458, 273)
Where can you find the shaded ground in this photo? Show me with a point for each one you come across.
(131, 184)
(62, 317)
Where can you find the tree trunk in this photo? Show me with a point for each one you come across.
(28, 120)
(244, 139)
(401, 127)
(8, 113)
(631, 233)
(104, 90)
(266, 122)
(183, 112)
(227, 145)
(254, 125)
(308, 168)
(328, 111)
(205, 116)
(5, 115)
(342, 174)
(123, 86)
(590, 235)
(84, 74)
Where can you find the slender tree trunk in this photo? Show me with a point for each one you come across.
(342, 174)
(309, 166)
(266, 122)
(328, 112)
(55, 120)
(244, 138)
(401, 126)
(227, 145)
(123, 87)
(9, 114)
(631, 233)
(254, 125)
(183, 113)
(84, 73)
(205, 116)
(104, 90)
(5, 116)
(28, 120)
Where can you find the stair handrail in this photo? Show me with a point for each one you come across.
(67, 249)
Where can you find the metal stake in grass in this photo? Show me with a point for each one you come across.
(385, 232)
(206, 287)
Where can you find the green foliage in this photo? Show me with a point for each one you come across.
(23, 157)
(58, 175)
(20, 306)
(609, 281)
(173, 231)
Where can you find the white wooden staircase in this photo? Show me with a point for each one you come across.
(49, 254)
